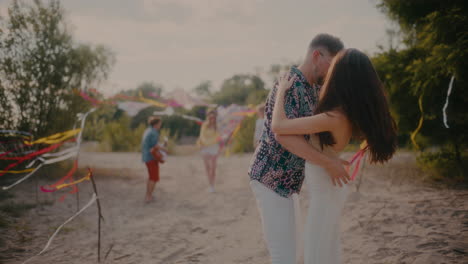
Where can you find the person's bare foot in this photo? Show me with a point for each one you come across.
(149, 199)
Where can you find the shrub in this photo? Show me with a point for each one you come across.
(171, 140)
(243, 140)
(118, 136)
(443, 165)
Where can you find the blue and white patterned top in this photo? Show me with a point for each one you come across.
(272, 165)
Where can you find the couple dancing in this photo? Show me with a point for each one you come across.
(306, 125)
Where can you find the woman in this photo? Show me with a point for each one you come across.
(351, 104)
(209, 143)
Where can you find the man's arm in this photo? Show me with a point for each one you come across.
(299, 146)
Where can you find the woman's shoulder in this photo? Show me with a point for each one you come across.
(339, 119)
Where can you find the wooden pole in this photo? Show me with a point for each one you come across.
(99, 214)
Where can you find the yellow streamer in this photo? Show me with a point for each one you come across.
(55, 138)
(20, 171)
(421, 120)
(363, 144)
(228, 149)
(87, 177)
(153, 102)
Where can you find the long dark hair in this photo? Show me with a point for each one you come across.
(353, 87)
(210, 124)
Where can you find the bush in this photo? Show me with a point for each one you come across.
(118, 136)
(443, 165)
(171, 140)
(243, 140)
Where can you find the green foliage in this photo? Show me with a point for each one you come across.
(179, 126)
(203, 89)
(171, 140)
(237, 90)
(142, 117)
(176, 125)
(435, 38)
(243, 140)
(118, 136)
(40, 65)
(97, 121)
(145, 88)
(443, 165)
(257, 97)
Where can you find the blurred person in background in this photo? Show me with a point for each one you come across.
(209, 141)
(149, 141)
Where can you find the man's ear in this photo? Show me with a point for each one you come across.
(315, 55)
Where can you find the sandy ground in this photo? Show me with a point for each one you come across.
(394, 218)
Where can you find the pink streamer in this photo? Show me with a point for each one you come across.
(43, 189)
(357, 157)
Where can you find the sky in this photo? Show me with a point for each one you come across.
(181, 43)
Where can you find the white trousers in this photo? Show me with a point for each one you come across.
(322, 229)
(278, 221)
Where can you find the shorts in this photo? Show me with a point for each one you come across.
(210, 150)
(153, 170)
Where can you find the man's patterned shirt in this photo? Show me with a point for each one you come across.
(272, 165)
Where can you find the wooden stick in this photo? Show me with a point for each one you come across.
(77, 199)
(77, 196)
(99, 214)
(36, 189)
(108, 251)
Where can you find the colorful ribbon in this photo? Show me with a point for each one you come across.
(444, 110)
(16, 171)
(152, 102)
(245, 113)
(193, 118)
(124, 97)
(15, 132)
(55, 138)
(421, 121)
(30, 156)
(91, 201)
(23, 179)
(357, 158)
(69, 176)
(64, 185)
(94, 101)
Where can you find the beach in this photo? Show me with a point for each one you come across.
(394, 217)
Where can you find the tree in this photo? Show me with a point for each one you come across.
(417, 76)
(203, 89)
(145, 88)
(41, 65)
(239, 89)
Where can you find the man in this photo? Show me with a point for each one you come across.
(277, 168)
(150, 140)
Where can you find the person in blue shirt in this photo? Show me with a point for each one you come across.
(150, 140)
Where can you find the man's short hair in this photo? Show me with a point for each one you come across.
(154, 120)
(331, 43)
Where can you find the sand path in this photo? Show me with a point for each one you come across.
(393, 219)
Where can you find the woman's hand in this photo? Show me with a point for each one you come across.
(285, 82)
